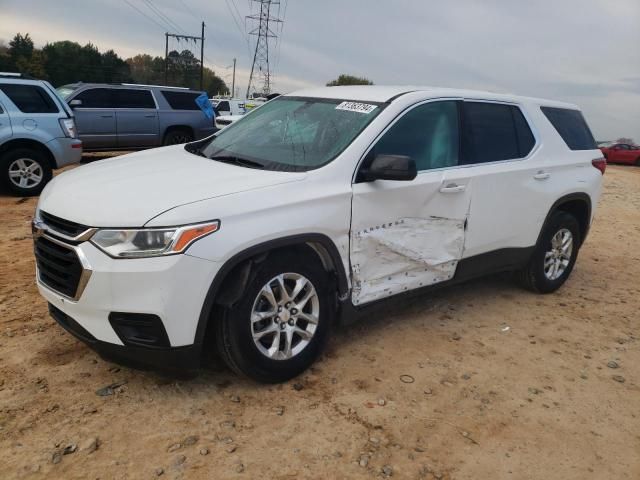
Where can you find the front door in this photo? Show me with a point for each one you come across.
(410, 234)
(95, 118)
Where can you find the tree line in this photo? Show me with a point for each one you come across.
(64, 62)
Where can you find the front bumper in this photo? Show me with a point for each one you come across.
(171, 289)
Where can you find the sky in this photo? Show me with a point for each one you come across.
(582, 51)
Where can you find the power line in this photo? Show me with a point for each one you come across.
(172, 25)
(189, 10)
(144, 14)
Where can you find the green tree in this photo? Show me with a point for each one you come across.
(20, 47)
(345, 79)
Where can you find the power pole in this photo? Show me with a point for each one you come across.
(202, 57)
(233, 81)
(261, 53)
(166, 57)
(184, 37)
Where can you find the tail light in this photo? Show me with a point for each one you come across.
(600, 164)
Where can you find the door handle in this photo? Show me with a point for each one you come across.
(541, 175)
(106, 116)
(150, 115)
(452, 188)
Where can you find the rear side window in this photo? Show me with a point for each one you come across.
(494, 132)
(181, 100)
(95, 98)
(30, 98)
(130, 98)
(223, 106)
(571, 126)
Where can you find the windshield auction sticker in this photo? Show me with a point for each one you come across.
(356, 107)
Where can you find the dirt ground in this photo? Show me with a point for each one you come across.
(478, 381)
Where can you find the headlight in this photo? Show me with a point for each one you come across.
(150, 242)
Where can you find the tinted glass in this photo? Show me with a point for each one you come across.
(125, 98)
(95, 98)
(181, 100)
(29, 98)
(292, 133)
(526, 140)
(571, 126)
(490, 133)
(223, 107)
(428, 134)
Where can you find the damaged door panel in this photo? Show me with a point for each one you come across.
(407, 235)
(403, 255)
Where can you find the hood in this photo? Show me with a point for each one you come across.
(129, 191)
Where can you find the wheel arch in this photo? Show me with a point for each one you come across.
(577, 204)
(238, 268)
(171, 128)
(29, 143)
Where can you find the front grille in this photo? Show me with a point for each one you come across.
(60, 225)
(58, 266)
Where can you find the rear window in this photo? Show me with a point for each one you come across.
(30, 98)
(130, 98)
(571, 126)
(181, 100)
(494, 132)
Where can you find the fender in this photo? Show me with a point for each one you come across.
(581, 196)
(229, 265)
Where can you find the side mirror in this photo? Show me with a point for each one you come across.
(391, 167)
(75, 103)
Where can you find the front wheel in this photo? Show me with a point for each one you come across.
(280, 325)
(554, 256)
(26, 171)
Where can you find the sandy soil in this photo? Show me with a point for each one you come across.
(503, 384)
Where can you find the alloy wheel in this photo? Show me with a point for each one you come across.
(285, 316)
(25, 173)
(558, 258)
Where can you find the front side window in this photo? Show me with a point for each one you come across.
(572, 127)
(29, 98)
(292, 133)
(428, 134)
(95, 98)
(130, 98)
(223, 106)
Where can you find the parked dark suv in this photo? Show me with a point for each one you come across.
(128, 116)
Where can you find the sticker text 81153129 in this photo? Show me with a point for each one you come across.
(356, 107)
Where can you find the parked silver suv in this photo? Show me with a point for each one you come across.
(128, 116)
(37, 134)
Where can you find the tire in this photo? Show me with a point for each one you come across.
(177, 136)
(638, 162)
(534, 276)
(25, 171)
(235, 329)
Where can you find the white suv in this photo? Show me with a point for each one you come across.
(317, 205)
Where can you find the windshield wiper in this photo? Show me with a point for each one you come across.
(243, 162)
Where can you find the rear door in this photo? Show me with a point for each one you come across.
(5, 125)
(508, 181)
(410, 234)
(95, 118)
(136, 118)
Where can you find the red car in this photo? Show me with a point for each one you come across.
(622, 153)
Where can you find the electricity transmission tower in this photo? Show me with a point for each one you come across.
(260, 77)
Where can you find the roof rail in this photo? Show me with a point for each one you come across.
(16, 75)
(158, 86)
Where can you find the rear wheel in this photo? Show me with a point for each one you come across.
(177, 136)
(25, 171)
(554, 256)
(280, 325)
(638, 162)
